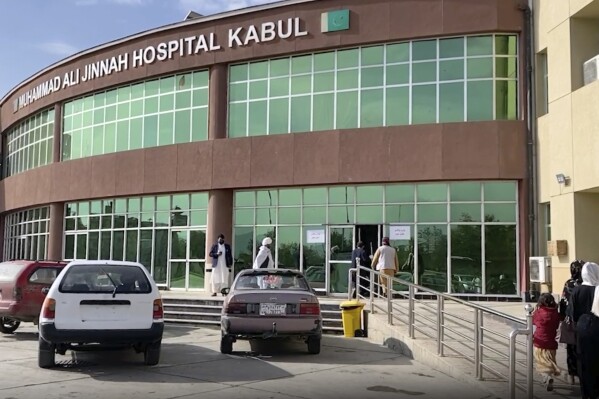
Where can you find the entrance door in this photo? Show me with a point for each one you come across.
(186, 262)
(341, 245)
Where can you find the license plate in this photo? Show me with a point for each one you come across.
(270, 309)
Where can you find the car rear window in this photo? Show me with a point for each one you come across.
(44, 275)
(105, 278)
(270, 280)
(10, 270)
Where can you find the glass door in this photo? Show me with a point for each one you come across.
(186, 261)
(341, 245)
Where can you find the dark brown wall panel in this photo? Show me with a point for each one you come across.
(130, 176)
(316, 158)
(455, 151)
(272, 160)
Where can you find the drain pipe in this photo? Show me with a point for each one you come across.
(531, 131)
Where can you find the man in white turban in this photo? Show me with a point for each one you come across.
(264, 257)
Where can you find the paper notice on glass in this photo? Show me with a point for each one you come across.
(315, 236)
(400, 232)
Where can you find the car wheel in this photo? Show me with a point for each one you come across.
(314, 345)
(8, 325)
(152, 354)
(46, 354)
(226, 345)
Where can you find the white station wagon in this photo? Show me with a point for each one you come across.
(94, 304)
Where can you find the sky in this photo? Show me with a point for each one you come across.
(37, 33)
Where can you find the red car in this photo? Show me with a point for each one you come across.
(22, 293)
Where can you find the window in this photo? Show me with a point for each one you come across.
(542, 83)
(26, 234)
(472, 78)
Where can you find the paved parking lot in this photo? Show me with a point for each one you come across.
(191, 366)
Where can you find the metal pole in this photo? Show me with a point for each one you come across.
(529, 351)
(411, 311)
(440, 328)
(476, 344)
(372, 310)
(512, 365)
(481, 341)
(389, 282)
(349, 286)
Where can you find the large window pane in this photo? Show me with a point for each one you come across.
(347, 110)
(300, 114)
(480, 100)
(432, 192)
(278, 116)
(465, 212)
(323, 116)
(500, 260)
(432, 213)
(398, 106)
(465, 260)
(371, 108)
(451, 102)
(243, 243)
(432, 256)
(257, 118)
(500, 191)
(424, 104)
(506, 99)
(288, 247)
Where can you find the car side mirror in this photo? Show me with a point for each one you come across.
(225, 291)
(45, 290)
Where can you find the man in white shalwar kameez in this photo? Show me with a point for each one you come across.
(222, 260)
(264, 260)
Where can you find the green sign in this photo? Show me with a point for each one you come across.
(334, 21)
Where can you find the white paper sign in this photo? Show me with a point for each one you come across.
(397, 232)
(315, 236)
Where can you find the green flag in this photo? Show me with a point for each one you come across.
(333, 21)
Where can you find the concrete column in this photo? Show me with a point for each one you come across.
(217, 118)
(220, 220)
(56, 231)
(56, 149)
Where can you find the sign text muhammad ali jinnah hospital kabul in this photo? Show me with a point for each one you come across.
(164, 51)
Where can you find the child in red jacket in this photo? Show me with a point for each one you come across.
(546, 320)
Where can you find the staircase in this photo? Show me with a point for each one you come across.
(206, 312)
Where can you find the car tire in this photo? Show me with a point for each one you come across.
(314, 345)
(8, 325)
(226, 345)
(46, 354)
(152, 353)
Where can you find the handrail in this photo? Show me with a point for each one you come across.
(435, 319)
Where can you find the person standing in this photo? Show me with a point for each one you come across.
(222, 260)
(385, 261)
(264, 256)
(584, 310)
(574, 281)
(546, 320)
(359, 257)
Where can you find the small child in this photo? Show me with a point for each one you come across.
(546, 320)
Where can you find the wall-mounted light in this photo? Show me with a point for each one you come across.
(562, 179)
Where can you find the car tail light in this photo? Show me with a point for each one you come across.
(17, 293)
(309, 308)
(49, 308)
(236, 308)
(158, 311)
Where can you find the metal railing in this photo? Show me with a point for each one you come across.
(482, 340)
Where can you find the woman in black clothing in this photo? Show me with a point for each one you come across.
(574, 281)
(584, 310)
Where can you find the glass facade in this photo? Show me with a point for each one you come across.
(463, 235)
(169, 110)
(471, 78)
(165, 233)
(26, 234)
(30, 143)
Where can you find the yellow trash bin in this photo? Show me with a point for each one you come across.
(351, 315)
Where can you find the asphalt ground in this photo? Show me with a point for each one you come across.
(192, 366)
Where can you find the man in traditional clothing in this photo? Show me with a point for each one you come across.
(222, 260)
(264, 257)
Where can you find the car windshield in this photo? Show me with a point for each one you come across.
(102, 279)
(271, 280)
